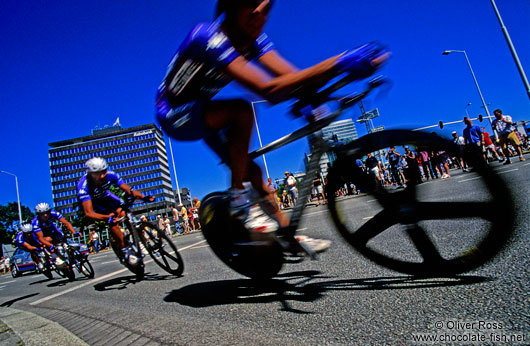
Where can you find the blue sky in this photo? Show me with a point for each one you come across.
(70, 66)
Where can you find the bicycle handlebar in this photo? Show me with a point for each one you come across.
(323, 96)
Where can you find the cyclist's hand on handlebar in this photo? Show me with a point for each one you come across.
(148, 198)
(362, 61)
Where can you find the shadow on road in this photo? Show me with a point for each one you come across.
(121, 283)
(303, 289)
(13, 301)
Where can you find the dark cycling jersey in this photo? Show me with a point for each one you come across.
(196, 74)
(196, 71)
(29, 238)
(103, 201)
(86, 191)
(46, 225)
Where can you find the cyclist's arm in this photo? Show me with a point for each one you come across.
(282, 87)
(88, 209)
(67, 225)
(42, 240)
(28, 246)
(134, 193)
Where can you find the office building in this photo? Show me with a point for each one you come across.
(338, 131)
(138, 154)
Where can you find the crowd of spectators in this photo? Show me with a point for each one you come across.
(396, 169)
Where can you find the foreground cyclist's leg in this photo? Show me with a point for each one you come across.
(236, 119)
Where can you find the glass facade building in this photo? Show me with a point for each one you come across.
(338, 131)
(138, 154)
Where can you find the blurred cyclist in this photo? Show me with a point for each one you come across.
(233, 47)
(101, 204)
(26, 240)
(44, 227)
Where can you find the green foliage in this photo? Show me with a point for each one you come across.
(9, 220)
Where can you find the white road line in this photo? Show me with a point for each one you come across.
(526, 164)
(464, 180)
(1, 287)
(318, 212)
(510, 170)
(368, 218)
(42, 300)
(198, 247)
(8, 282)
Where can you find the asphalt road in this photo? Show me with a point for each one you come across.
(342, 298)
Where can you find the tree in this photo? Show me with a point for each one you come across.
(9, 221)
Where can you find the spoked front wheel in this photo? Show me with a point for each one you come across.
(84, 267)
(161, 249)
(435, 227)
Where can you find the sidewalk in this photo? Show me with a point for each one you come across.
(25, 328)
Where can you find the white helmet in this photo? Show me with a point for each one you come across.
(26, 228)
(42, 208)
(96, 164)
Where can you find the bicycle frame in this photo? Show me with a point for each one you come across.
(320, 145)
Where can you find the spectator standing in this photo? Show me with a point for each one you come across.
(373, 166)
(290, 182)
(394, 159)
(167, 226)
(319, 191)
(191, 218)
(160, 223)
(175, 212)
(94, 238)
(413, 172)
(489, 146)
(185, 221)
(460, 141)
(503, 124)
(441, 163)
(426, 163)
(286, 203)
(196, 205)
(473, 138)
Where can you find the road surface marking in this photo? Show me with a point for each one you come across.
(368, 218)
(464, 180)
(508, 171)
(42, 300)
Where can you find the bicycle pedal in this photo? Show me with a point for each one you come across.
(295, 248)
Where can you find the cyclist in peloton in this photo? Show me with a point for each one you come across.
(101, 204)
(44, 227)
(233, 47)
(27, 241)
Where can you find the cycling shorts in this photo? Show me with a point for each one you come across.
(185, 123)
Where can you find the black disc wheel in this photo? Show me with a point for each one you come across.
(418, 226)
(161, 249)
(252, 254)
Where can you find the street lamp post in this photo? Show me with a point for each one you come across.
(174, 170)
(512, 49)
(447, 52)
(18, 197)
(259, 136)
(469, 104)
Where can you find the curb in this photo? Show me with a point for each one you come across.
(32, 329)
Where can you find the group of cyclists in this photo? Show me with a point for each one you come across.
(231, 47)
(98, 203)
